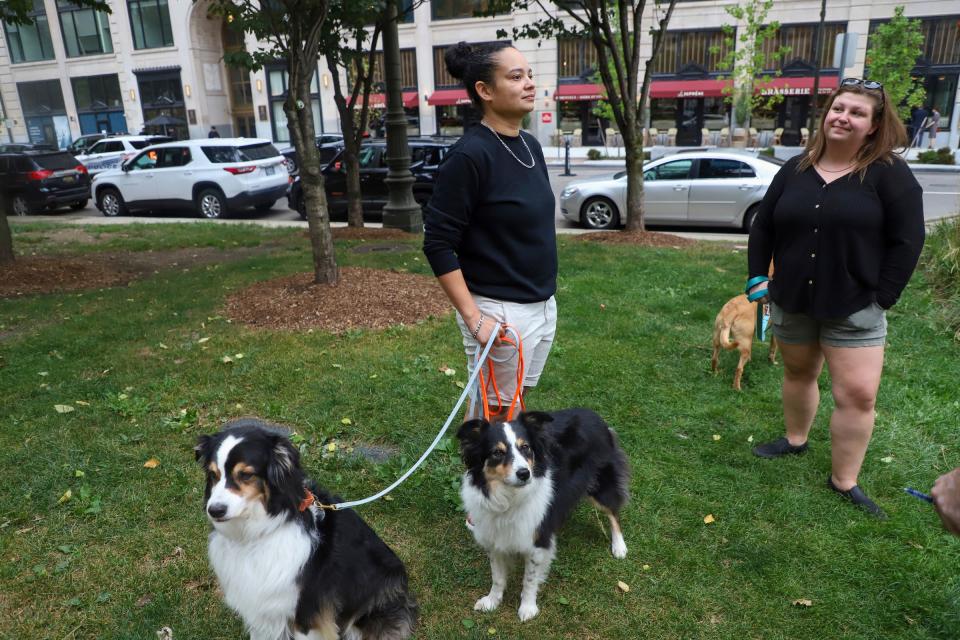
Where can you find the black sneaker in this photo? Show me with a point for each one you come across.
(859, 498)
(778, 448)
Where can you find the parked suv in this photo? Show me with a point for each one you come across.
(425, 157)
(212, 176)
(35, 180)
(111, 152)
(328, 144)
(84, 142)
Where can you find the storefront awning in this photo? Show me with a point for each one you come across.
(578, 92)
(379, 100)
(446, 97)
(687, 88)
(796, 86)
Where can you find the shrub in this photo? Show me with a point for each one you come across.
(942, 155)
(594, 154)
(767, 152)
(941, 264)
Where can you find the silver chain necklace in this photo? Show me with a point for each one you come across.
(533, 161)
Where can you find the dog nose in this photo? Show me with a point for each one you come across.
(217, 511)
(523, 474)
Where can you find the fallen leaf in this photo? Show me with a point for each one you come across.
(152, 463)
(202, 340)
(646, 567)
(803, 603)
(332, 447)
(347, 421)
(623, 586)
(337, 366)
(492, 631)
(708, 519)
(563, 600)
(602, 306)
(238, 356)
(750, 439)
(226, 359)
(144, 600)
(716, 437)
(63, 408)
(65, 497)
(43, 373)
(468, 623)
(888, 459)
(78, 473)
(82, 403)
(163, 346)
(460, 384)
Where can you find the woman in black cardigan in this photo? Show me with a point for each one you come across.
(843, 224)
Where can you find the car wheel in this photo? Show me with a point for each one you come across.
(111, 203)
(599, 213)
(78, 205)
(291, 165)
(264, 206)
(749, 217)
(19, 206)
(211, 204)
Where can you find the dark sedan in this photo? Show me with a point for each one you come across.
(36, 180)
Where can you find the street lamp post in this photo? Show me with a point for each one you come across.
(401, 211)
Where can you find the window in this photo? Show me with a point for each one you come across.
(369, 158)
(150, 21)
(676, 170)
(41, 98)
(173, 157)
(30, 42)
(85, 31)
(246, 153)
(92, 93)
(147, 160)
(449, 9)
(408, 71)
(720, 168)
(240, 93)
(107, 146)
(277, 84)
(799, 37)
(576, 58)
(684, 49)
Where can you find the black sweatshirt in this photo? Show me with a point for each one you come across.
(493, 218)
(838, 247)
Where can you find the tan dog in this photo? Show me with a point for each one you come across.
(738, 318)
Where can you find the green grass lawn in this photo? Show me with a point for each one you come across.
(142, 366)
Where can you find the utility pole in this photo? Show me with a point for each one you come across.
(401, 211)
(817, 39)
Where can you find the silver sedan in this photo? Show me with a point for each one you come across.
(696, 188)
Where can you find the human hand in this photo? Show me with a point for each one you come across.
(486, 330)
(946, 500)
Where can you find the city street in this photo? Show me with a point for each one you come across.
(941, 198)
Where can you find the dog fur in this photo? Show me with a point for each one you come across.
(524, 478)
(291, 570)
(738, 318)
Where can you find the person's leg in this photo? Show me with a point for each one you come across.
(855, 374)
(802, 364)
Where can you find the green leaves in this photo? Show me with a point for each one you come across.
(892, 52)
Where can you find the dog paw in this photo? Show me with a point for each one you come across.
(528, 611)
(619, 549)
(487, 603)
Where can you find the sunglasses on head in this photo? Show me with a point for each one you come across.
(866, 84)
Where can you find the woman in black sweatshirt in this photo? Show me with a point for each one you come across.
(489, 229)
(843, 224)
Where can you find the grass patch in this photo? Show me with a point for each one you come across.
(125, 554)
(941, 261)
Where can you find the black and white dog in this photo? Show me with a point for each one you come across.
(522, 482)
(291, 570)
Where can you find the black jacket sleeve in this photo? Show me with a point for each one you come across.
(761, 243)
(903, 231)
(448, 213)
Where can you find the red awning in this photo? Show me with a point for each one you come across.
(796, 86)
(578, 92)
(379, 100)
(446, 97)
(687, 88)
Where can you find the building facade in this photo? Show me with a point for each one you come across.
(77, 71)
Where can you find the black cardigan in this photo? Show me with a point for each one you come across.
(838, 247)
(494, 219)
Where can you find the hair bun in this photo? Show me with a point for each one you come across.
(457, 58)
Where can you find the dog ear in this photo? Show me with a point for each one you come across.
(470, 434)
(534, 420)
(203, 451)
(284, 464)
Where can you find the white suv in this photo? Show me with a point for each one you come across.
(212, 176)
(110, 153)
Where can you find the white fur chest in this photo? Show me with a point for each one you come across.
(259, 576)
(507, 520)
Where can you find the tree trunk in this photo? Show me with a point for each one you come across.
(351, 164)
(634, 150)
(6, 237)
(300, 118)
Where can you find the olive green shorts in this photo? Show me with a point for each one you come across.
(864, 328)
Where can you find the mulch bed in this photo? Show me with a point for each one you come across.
(638, 238)
(364, 298)
(371, 233)
(48, 274)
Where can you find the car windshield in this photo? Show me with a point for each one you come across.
(56, 161)
(259, 151)
(139, 144)
(771, 160)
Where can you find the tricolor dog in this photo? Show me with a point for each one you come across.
(291, 570)
(524, 478)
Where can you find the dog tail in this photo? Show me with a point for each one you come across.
(725, 341)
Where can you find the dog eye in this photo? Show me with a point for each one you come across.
(525, 449)
(245, 476)
(496, 455)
